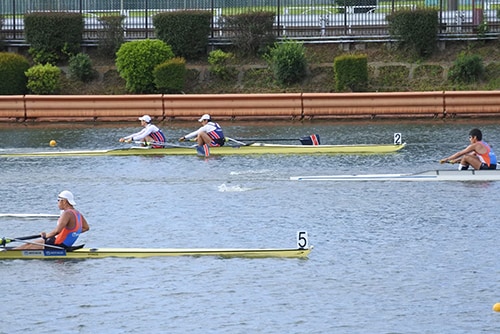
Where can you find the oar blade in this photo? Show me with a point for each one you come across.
(310, 140)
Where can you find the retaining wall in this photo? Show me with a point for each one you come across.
(292, 106)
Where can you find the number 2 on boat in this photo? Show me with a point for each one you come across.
(302, 240)
(398, 139)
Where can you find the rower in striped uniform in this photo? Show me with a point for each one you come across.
(208, 135)
(150, 135)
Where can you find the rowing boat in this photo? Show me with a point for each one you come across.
(251, 149)
(88, 253)
(431, 175)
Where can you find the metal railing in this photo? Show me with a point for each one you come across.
(320, 20)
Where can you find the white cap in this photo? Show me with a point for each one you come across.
(145, 118)
(67, 195)
(205, 117)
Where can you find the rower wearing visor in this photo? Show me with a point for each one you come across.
(210, 133)
(478, 154)
(70, 225)
(150, 135)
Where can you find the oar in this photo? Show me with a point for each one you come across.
(149, 143)
(306, 140)
(201, 150)
(35, 236)
(453, 161)
(29, 237)
(28, 215)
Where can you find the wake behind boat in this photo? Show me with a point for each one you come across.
(250, 149)
(431, 175)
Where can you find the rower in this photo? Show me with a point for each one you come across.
(210, 134)
(151, 134)
(478, 154)
(70, 225)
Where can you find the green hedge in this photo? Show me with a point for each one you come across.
(170, 76)
(53, 36)
(111, 37)
(219, 61)
(467, 68)
(251, 32)
(351, 73)
(185, 31)
(136, 60)
(415, 29)
(288, 62)
(44, 79)
(12, 68)
(80, 67)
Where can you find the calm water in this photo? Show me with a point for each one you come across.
(388, 257)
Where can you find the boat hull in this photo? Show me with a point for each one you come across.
(253, 149)
(92, 253)
(432, 175)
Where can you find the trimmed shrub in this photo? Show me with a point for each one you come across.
(219, 61)
(251, 32)
(111, 37)
(288, 62)
(170, 76)
(53, 36)
(12, 68)
(185, 31)
(351, 73)
(44, 79)
(80, 67)
(415, 29)
(467, 69)
(136, 60)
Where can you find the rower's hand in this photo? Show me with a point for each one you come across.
(121, 140)
(443, 161)
(182, 138)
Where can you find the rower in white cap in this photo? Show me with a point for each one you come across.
(150, 135)
(210, 134)
(70, 225)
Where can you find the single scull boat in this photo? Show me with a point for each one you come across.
(431, 175)
(90, 253)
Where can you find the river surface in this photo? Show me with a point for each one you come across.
(388, 257)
